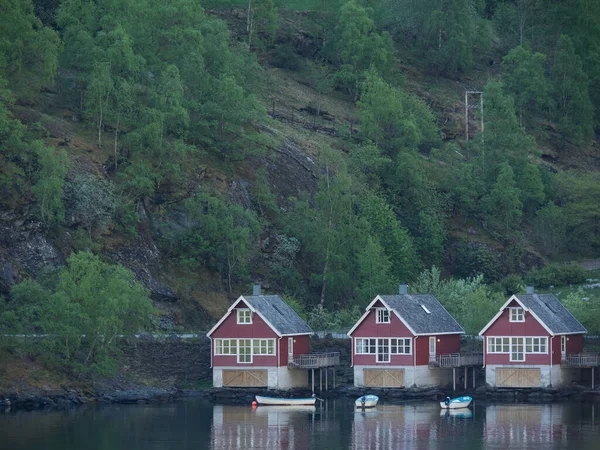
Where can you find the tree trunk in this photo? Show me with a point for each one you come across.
(116, 138)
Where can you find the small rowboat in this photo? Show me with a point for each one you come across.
(367, 401)
(285, 401)
(456, 403)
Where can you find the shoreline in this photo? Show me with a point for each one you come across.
(69, 398)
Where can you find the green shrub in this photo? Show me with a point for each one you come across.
(285, 57)
(556, 275)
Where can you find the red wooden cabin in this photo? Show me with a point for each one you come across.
(401, 340)
(533, 341)
(256, 340)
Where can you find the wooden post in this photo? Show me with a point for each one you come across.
(334, 377)
(454, 379)
(465, 378)
(321, 380)
(326, 372)
(592, 378)
(473, 377)
(313, 381)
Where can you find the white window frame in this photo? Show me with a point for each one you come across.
(383, 315)
(498, 344)
(241, 357)
(244, 316)
(401, 345)
(383, 356)
(517, 314)
(536, 341)
(365, 345)
(514, 343)
(263, 347)
(225, 347)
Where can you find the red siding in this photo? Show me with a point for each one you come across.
(505, 328)
(301, 347)
(369, 328)
(422, 345)
(556, 356)
(575, 343)
(229, 329)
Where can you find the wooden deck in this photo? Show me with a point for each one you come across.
(315, 361)
(456, 360)
(582, 360)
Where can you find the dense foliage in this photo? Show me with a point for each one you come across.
(171, 106)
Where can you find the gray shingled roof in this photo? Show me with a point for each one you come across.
(409, 308)
(552, 312)
(278, 313)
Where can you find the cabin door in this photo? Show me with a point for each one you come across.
(431, 348)
(290, 349)
(563, 348)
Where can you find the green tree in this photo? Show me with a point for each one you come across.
(221, 236)
(374, 271)
(392, 119)
(28, 50)
(263, 19)
(523, 76)
(357, 46)
(574, 110)
(532, 188)
(503, 204)
(49, 188)
(92, 304)
(550, 228)
(585, 306)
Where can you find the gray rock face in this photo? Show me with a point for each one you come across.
(24, 249)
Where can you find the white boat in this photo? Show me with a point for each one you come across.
(456, 403)
(285, 401)
(285, 409)
(367, 401)
(463, 413)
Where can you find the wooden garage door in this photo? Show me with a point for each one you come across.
(508, 377)
(383, 377)
(244, 378)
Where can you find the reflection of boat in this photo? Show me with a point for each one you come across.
(463, 413)
(366, 401)
(267, 409)
(284, 401)
(456, 403)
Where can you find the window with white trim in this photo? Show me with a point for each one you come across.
(364, 346)
(383, 315)
(383, 350)
(263, 346)
(244, 351)
(400, 346)
(536, 345)
(498, 344)
(517, 315)
(244, 316)
(517, 349)
(225, 346)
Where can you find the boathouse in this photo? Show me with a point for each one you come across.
(407, 340)
(262, 342)
(534, 341)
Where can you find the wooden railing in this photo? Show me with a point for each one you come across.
(315, 360)
(580, 360)
(456, 360)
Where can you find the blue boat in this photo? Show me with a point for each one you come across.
(456, 403)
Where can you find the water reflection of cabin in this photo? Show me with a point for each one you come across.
(262, 342)
(407, 340)
(267, 427)
(534, 341)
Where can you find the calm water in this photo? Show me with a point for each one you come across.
(196, 424)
